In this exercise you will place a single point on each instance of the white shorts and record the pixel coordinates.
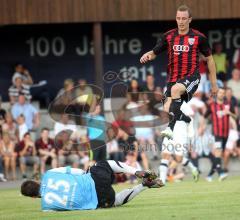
(180, 143)
(232, 139)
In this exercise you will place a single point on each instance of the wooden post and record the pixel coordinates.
(98, 58)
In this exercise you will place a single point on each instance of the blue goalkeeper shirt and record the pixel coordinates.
(65, 189)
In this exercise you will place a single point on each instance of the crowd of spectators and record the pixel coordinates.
(81, 135)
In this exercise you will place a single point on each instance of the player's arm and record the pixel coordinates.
(212, 74)
(207, 52)
(152, 54)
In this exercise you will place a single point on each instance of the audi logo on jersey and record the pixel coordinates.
(180, 48)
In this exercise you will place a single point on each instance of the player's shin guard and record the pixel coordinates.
(163, 169)
(128, 194)
(175, 110)
(119, 167)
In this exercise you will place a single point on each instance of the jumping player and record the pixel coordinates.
(183, 45)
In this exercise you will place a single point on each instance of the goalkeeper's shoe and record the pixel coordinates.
(195, 174)
(156, 183)
(151, 175)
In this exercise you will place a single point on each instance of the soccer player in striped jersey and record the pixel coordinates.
(183, 45)
(220, 112)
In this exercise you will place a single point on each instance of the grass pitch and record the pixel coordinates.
(185, 200)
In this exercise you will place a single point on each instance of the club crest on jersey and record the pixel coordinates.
(191, 41)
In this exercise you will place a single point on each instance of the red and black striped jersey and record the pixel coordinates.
(220, 120)
(183, 52)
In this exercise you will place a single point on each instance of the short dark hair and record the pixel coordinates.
(185, 8)
(44, 129)
(30, 188)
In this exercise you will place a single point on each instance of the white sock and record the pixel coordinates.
(188, 163)
(163, 169)
(128, 194)
(120, 167)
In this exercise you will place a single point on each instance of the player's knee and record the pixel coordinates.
(175, 90)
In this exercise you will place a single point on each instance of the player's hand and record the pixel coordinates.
(147, 57)
(214, 91)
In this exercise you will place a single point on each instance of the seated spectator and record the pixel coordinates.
(7, 147)
(221, 62)
(234, 83)
(85, 153)
(2, 178)
(231, 100)
(22, 127)
(134, 90)
(28, 110)
(131, 160)
(10, 127)
(84, 98)
(149, 88)
(113, 150)
(2, 111)
(156, 103)
(145, 132)
(45, 147)
(19, 88)
(67, 150)
(66, 93)
(27, 153)
(64, 124)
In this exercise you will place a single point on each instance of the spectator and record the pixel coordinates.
(132, 161)
(22, 72)
(2, 178)
(67, 150)
(231, 100)
(203, 70)
(2, 111)
(9, 157)
(96, 133)
(149, 88)
(156, 103)
(66, 93)
(64, 124)
(28, 110)
(28, 155)
(22, 127)
(135, 90)
(236, 59)
(221, 62)
(84, 98)
(19, 88)
(144, 124)
(113, 150)
(85, 152)
(234, 84)
(46, 149)
(10, 127)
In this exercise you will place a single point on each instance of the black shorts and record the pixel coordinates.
(103, 177)
(220, 142)
(99, 150)
(190, 82)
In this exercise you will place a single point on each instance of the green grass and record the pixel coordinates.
(186, 200)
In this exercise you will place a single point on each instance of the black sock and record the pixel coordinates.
(175, 110)
(212, 158)
(218, 165)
